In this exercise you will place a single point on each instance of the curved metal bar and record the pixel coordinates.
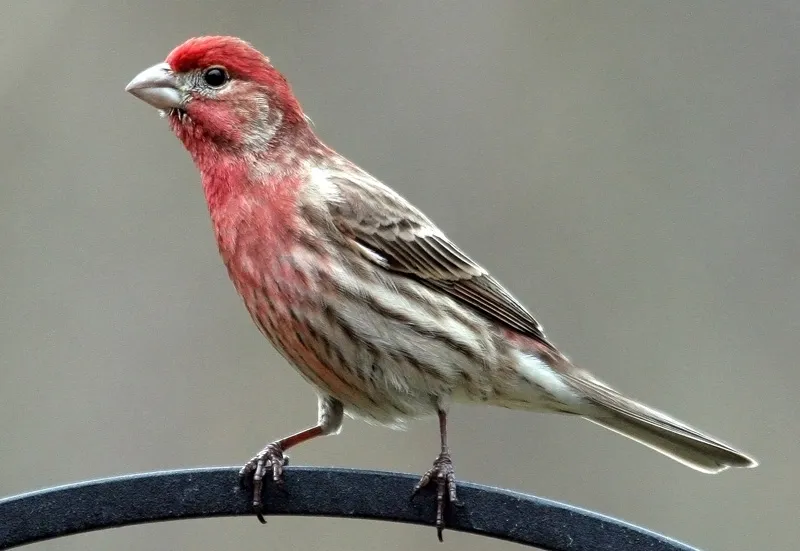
(214, 492)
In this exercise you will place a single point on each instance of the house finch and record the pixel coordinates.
(369, 300)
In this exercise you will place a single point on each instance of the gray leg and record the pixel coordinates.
(330, 416)
(443, 475)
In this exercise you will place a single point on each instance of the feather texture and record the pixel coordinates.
(407, 242)
(356, 287)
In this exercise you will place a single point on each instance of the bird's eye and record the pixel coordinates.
(215, 76)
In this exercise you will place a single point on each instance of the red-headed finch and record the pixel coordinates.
(375, 307)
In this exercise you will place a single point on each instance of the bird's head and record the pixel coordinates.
(219, 92)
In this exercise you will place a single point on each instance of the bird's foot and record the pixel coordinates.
(271, 458)
(443, 475)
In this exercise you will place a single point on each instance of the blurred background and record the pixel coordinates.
(628, 169)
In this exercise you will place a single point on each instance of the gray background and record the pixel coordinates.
(628, 169)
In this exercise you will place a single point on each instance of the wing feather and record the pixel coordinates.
(400, 238)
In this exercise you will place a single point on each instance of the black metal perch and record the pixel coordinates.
(215, 492)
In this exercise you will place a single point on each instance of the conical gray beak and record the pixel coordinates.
(157, 86)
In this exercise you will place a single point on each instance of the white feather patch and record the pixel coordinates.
(319, 178)
(545, 377)
(372, 255)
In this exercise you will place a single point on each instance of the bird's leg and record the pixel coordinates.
(443, 475)
(331, 413)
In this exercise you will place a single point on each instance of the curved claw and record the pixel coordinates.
(252, 474)
(443, 475)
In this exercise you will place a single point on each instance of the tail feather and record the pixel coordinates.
(658, 430)
(691, 448)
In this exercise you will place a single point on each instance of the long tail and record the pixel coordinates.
(658, 430)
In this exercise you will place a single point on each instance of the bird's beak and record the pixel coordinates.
(158, 87)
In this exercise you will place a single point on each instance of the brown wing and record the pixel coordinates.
(398, 237)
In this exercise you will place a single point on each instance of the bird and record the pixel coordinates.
(384, 315)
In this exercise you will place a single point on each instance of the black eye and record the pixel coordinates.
(215, 76)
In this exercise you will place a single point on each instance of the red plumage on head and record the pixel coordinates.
(240, 59)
